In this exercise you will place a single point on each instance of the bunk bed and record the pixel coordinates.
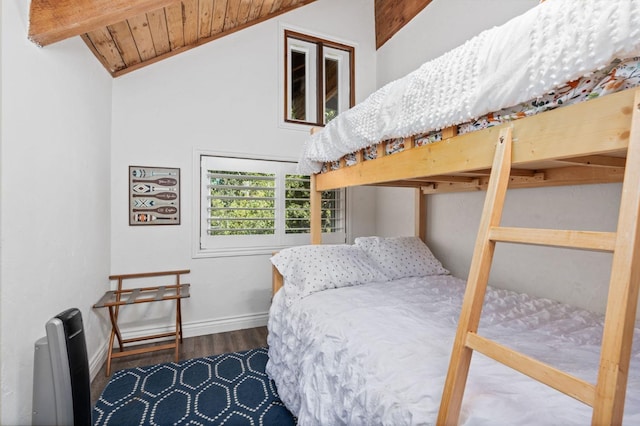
(414, 133)
(377, 352)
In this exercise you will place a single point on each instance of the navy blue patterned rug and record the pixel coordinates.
(228, 389)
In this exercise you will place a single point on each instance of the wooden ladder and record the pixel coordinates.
(608, 394)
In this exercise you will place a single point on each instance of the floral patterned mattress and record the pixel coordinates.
(619, 75)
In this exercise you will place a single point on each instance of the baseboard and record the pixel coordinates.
(200, 328)
(98, 359)
(221, 325)
(190, 329)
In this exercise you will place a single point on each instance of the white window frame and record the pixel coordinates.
(311, 67)
(243, 245)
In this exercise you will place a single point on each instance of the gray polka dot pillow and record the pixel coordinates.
(400, 257)
(312, 268)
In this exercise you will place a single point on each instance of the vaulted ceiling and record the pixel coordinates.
(126, 35)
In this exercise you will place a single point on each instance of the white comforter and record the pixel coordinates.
(527, 57)
(378, 354)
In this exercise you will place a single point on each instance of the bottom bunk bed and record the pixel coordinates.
(359, 337)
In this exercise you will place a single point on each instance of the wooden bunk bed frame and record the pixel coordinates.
(591, 142)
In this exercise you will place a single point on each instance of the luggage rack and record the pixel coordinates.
(114, 299)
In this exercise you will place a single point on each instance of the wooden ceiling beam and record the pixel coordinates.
(392, 15)
(51, 21)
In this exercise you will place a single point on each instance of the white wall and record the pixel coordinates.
(576, 277)
(441, 26)
(388, 222)
(222, 96)
(54, 207)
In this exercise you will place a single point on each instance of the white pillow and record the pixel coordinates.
(400, 257)
(312, 268)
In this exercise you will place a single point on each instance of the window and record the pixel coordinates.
(319, 79)
(250, 205)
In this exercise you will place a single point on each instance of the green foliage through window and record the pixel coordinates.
(298, 205)
(241, 203)
(244, 203)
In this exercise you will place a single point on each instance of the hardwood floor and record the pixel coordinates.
(191, 347)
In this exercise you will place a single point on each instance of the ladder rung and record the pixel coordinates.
(557, 379)
(587, 240)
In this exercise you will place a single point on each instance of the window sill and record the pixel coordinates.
(236, 252)
(200, 253)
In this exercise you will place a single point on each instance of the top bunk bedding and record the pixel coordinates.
(619, 75)
(504, 73)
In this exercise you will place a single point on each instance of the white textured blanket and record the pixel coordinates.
(549, 45)
(377, 354)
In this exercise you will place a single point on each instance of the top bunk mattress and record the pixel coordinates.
(523, 61)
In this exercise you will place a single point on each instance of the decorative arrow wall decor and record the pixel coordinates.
(154, 196)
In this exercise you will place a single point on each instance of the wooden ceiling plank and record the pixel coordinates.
(181, 18)
(392, 15)
(287, 3)
(123, 38)
(97, 54)
(175, 28)
(277, 5)
(267, 5)
(231, 20)
(256, 7)
(142, 35)
(52, 21)
(190, 19)
(219, 16)
(205, 15)
(159, 31)
(243, 11)
(101, 43)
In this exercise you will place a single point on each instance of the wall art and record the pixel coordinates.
(154, 196)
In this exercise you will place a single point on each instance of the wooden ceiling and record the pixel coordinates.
(129, 34)
(126, 35)
(392, 15)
